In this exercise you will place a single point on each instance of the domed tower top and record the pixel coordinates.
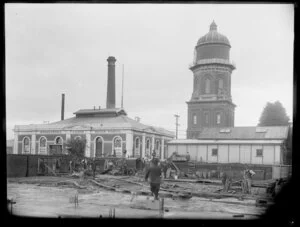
(212, 48)
(213, 26)
(213, 37)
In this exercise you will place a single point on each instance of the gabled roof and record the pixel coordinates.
(271, 132)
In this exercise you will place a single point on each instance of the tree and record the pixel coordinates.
(273, 114)
(76, 148)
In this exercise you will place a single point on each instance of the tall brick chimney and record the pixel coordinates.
(62, 106)
(111, 91)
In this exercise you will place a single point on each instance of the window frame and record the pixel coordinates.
(206, 118)
(137, 142)
(207, 84)
(43, 137)
(213, 150)
(259, 150)
(194, 119)
(218, 116)
(23, 145)
(55, 140)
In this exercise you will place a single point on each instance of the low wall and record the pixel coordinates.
(213, 171)
(281, 171)
(30, 165)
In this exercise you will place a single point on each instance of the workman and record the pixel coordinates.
(124, 153)
(154, 175)
(226, 181)
(248, 179)
(188, 157)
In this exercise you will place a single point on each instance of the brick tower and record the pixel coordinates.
(211, 104)
(111, 84)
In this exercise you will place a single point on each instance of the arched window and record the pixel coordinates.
(157, 148)
(26, 145)
(148, 148)
(218, 118)
(117, 146)
(207, 86)
(43, 145)
(221, 83)
(137, 143)
(58, 140)
(206, 120)
(194, 119)
(98, 147)
(137, 147)
(220, 86)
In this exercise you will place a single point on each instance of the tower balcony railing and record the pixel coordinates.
(212, 61)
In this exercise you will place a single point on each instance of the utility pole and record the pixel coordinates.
(177, 116)
(122, 87)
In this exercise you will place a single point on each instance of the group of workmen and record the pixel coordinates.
(246, 182)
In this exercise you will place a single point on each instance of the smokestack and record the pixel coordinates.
(62, 106)
(111, 91)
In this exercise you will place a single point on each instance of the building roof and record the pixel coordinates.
(252, 133)
(221, 142)
(88, 111)
(213, 36)
(96, 123)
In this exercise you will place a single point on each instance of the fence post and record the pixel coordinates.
(161, 207)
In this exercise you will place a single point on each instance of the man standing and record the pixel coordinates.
(226, 180)
(154, 174)
(248, 179)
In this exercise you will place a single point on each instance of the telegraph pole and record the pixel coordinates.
(177, 116)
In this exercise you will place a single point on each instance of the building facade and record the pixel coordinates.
(106, 131)
(211, 104)
(245, 145)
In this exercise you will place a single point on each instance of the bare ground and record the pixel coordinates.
(50, 197)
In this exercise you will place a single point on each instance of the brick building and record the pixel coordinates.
(211, 104)
(106, 131)
(211, 135)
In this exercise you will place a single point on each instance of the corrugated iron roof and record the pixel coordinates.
(272, 132)
(99, 122)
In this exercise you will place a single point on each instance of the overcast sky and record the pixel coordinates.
(62, 48)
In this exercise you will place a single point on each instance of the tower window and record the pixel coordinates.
(195, 119)
(206, 118)
(218, 118)
(220, 86)
(207, 86)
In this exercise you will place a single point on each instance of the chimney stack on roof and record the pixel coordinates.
(111, 91)
(62, 107)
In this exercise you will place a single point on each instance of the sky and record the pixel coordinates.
(52, 49)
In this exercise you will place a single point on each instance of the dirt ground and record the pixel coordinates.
(46, 197)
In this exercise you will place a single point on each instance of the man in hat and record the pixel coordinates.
(248, 173)
(154, 175)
